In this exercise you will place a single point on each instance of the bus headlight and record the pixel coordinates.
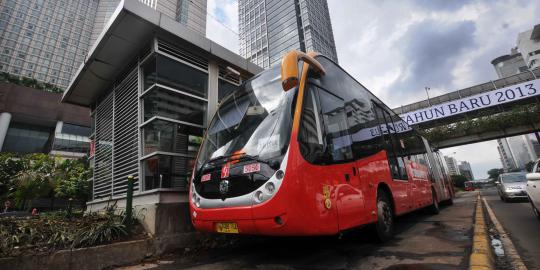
(198, 202)
(270, 187)
(280, 174)
(259, 196)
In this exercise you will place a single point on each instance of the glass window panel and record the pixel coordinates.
(225, 88)
(169, 104)
(158, 136)
(171, 137)
(163, 171)
(75, 129)
(181, 77)
(22, 138)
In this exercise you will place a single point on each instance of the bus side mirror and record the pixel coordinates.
(289, 67)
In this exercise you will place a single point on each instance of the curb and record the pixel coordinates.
(481, 255)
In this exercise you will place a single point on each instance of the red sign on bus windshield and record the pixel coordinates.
(225, 170)
(206, 177)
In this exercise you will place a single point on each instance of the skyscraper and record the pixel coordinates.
(528, 43)
(466, 170)
(452, 165)
(47, 40)
(509, 64)
(191, 13)
(515, 152)
(270, 28)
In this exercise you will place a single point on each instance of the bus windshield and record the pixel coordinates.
(254, 121)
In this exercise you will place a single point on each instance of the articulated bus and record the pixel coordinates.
(304, 149)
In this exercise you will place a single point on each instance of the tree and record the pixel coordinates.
(37, 179)
(494, 173)
(10, 165)
(72, 181)
(459, 180)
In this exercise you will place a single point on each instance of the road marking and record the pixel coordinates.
(481, 255)
(510, 249)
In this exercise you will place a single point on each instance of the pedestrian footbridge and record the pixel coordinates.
(501, 108)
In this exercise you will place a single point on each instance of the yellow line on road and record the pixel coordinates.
(481, 255)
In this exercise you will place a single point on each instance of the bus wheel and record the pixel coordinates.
(385, 218)
(434, 208)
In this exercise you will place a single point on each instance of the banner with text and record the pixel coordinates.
(472, 103)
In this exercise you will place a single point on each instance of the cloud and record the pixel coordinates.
(222, 23)
(442, 4)
(430, 51)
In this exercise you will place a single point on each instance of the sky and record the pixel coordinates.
(396, 48)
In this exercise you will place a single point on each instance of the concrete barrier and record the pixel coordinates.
(92, 258)
(482, 257)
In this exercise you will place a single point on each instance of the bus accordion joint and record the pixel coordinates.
(289, 67)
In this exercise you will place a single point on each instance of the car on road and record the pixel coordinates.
(512, 186)
(533, 188)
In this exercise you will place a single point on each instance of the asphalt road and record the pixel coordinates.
(422, 242)
(520, 223)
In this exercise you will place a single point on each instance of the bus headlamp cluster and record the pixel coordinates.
(195, 198)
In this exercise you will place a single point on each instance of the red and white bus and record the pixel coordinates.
(304, 149)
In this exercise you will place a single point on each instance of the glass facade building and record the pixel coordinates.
(270, 28)
(48, 39)
(44, 39)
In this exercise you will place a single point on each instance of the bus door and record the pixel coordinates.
(338, 159)
(402, 189)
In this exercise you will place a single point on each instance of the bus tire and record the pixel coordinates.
(385, 217)
(434, 208)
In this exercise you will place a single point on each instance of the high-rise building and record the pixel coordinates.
(466, 170)
(45, 40)
(505, 155)
(452, 165)
(48, 40)
(515, 152)
(509, 64)
(528, 43)
(191, 13)
(270, 28)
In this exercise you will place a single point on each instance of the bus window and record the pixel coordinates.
(337, 139)
(387, 129)
(356, 100)
(310, 133)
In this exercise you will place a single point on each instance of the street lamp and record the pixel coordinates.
(427, 94)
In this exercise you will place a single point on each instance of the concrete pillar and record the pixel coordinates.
(213, 77)
(5, 118)
(59, 126)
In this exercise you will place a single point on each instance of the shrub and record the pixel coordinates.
(50, 232)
